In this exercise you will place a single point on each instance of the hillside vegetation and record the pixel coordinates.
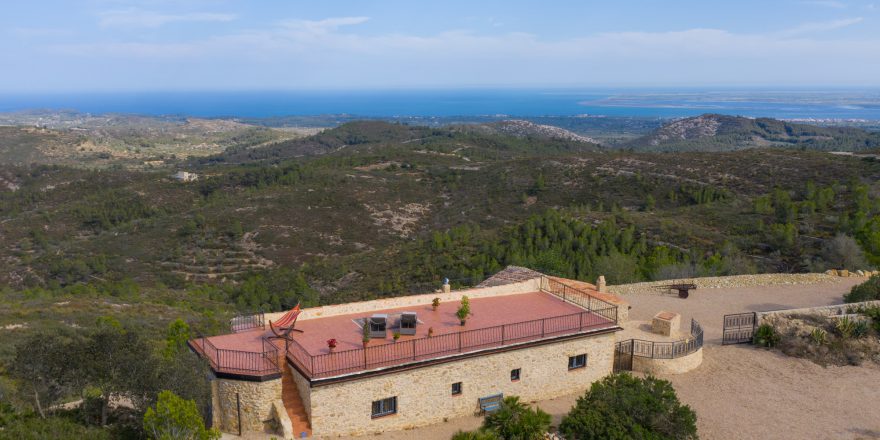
(373, 209)
(712, 132)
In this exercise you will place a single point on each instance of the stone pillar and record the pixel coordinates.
(600, 284)
(446, 287)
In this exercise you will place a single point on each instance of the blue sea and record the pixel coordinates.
(787, 104)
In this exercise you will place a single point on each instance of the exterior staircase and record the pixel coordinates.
(292, 402)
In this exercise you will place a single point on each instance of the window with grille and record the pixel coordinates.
(384, 407)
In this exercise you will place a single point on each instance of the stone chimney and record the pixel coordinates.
(600, 284)
(446, 288)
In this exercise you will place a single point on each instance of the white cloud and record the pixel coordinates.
(822, 26)
(136, 18)
(329, 53)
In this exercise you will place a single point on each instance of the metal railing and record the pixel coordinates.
(671, 349)
(242, 323)
(579, 298)
(449, 344)
(224, 360)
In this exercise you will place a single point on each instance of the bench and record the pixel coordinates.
(490, 403)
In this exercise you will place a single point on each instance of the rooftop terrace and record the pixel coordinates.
(553, 310)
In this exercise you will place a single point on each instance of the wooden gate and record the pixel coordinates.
(623, 356)
(739, 328)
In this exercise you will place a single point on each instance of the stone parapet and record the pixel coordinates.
(677, 365)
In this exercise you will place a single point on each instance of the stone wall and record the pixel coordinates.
(256, 404)
(837, 309)
(424, 394)
(668, 366)
(769, 279)
(302, 387)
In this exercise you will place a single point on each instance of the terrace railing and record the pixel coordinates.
(672, 349)
(579, 298)
(450, 344)
(248, 322)
(249, 363)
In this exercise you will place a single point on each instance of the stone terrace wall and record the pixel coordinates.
(770, 279)
(424, 394)
(837, 309)
(412, 300)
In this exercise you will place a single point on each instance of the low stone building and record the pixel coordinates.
(527, 335)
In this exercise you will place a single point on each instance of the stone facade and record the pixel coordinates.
(256, 400)
(666, 323)
(424, 394)
(668, 366)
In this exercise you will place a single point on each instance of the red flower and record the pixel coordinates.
(331, 343)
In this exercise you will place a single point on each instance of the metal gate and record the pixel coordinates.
(623, 356)
(739, 328)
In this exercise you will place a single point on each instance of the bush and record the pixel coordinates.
(867, 291)
(625, 407)
(766, 336)
(843, 252)
(819, 336)
(56, 427)
(516, 420)
(480, 434)
(176, 418)
(846, 327)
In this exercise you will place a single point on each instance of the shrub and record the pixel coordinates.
(860, 329)
(464, 310)
(516, 420)
(766, 336)
(56, 427)
(625, 407)
(845, 327)
(867, 291)
(873, 313)
(176, 418)
(819, 336)
(480, 434)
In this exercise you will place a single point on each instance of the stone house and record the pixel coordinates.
(528, 335)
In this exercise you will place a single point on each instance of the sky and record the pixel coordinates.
(145, 45)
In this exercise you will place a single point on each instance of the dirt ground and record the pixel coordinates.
(742, 392)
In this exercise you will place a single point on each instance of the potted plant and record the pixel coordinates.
(430, 331)
(366, 334)
(435, 304)
(331, 344)
(396, 336)
(464, 310)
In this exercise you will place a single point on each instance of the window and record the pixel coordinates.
(456, 388)
(514, 374)
(385, 407)
(579, 361)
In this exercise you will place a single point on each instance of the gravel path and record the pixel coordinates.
(741, 392)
